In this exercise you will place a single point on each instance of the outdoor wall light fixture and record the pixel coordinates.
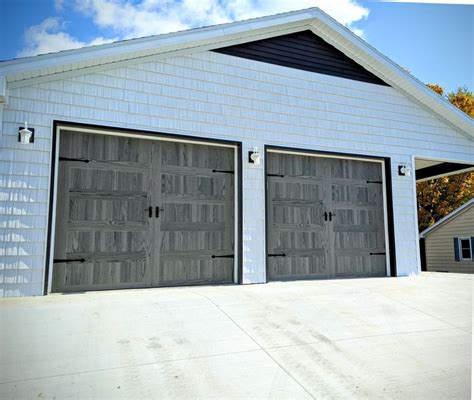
(255, 157)
(25, 135)
(403, 170)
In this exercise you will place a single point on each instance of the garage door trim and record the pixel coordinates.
(387, 195)
(150, 135)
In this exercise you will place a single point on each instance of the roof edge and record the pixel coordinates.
(22, 72)
(447, 218)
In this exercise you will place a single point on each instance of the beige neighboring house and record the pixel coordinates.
(449, 244)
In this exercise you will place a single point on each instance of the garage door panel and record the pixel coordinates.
(106, 236)
(360, 265)
(354, 195)
(112, 207)
(295, 166)
(354, 170)
(330, 206)
(105, 241)
(358, 240)
(197, 241)
(300, 240)
(285, 190)
(196, 187)
(196, 156)
(295, 266)
(195, 270)
(298, 214)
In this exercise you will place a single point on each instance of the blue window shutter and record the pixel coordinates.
(456, 249)
(472, 248)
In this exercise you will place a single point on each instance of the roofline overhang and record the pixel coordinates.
(31, 70)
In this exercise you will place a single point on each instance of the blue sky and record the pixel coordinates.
(434, 41)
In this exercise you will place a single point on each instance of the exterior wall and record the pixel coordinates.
(214, 96)
(440, 246)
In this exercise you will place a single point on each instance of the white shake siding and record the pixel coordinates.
(213, 96)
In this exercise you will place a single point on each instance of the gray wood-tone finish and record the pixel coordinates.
(103, 226)
(101, 213)
(357, 229)
(303, 243)
(298, 237)
(197, 220)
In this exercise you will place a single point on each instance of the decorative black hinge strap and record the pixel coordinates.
(68, 260)
(378, 254)
(84, 160)
(222, 171)
(278, 175)
(379, 182)
(277, 255)
(225, 256)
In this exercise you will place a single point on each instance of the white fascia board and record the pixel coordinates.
(447, 218)
(132, 48)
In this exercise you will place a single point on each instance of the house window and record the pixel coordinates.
(465, 250)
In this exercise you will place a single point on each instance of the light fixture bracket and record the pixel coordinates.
(26, 135)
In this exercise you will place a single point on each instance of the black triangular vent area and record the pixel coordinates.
(306, 51)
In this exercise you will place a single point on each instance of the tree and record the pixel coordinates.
(463, 100)
(438, 197)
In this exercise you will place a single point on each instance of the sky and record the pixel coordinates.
(435, 42)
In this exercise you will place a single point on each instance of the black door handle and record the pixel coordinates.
(331, 215)
(157, 211)
(150, 211)
(325, 215)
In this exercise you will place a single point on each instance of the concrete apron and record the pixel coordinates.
(365, 338)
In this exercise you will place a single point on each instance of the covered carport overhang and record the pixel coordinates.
(426, 169)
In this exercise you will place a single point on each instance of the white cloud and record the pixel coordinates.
(151, 17)
(49, 36)
(125, 20)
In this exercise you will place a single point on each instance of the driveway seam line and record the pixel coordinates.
(128, 366)
(258, 344)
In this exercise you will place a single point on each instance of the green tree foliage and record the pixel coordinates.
(438, 197)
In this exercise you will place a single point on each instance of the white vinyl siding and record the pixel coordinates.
(216, 96)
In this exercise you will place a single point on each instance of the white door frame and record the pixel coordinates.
(151, 136)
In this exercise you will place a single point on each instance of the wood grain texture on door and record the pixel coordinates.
(197, 223)
(298, 239)
(357, 226)
(103, 231)
(325, 217)
(140, 213)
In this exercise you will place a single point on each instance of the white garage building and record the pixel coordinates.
(270, 149)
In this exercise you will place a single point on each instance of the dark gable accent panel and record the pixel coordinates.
(305, 51)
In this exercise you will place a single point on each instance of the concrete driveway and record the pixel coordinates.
(366, 338)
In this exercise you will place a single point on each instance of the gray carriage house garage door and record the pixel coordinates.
(133, 212)
(325, 217)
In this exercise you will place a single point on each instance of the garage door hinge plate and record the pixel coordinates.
(379, 182)
(222, 171)
(84, 160)
(68, 260)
